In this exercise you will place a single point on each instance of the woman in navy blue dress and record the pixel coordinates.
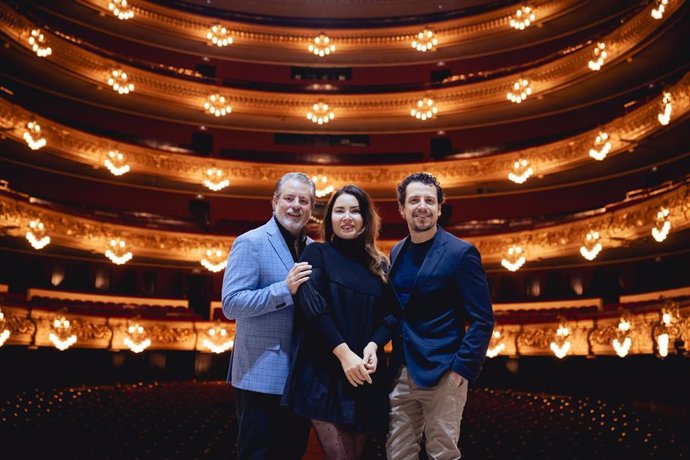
(345, 316)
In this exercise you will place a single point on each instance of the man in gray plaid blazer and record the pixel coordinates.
(261, 276)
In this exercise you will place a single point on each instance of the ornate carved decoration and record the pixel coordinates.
(287, 44)
(529, 339)
(380, 181)
(280, 111)
(616, 226)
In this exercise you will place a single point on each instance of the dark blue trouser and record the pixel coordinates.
(267, 430)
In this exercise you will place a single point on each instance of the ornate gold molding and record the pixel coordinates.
(587, 337)
(279, 44)
(259, 178)
(388, 112)
(617, 227)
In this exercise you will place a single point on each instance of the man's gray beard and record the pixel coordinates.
(290, 225)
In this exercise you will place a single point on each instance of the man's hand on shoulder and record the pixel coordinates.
(298, 274)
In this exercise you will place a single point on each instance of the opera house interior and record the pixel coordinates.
(138, 138)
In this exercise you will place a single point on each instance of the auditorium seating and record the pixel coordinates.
(191, 419)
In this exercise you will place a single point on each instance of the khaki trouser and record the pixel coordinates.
(435, 411)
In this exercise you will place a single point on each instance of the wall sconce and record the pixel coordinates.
(602, 146)
(496, 345)
(662, 226)
(214, 179)
(323, 188)
(658, 12)
(622, 342)
(219, 35)
(4, 329)
(599, 56)
(117, 252)
(32, 136)
(667, 329)
(664, 116)
(217, 105)
(218, 339)
(592, 246)
(514, 258)
(521, 171)
(320, 113)
(39, 44)
(561, 345)
(61, 334)
(322, 46)
(136, 338)
(519, 92)
(116, 164)
(121, 9)
(425, 41)
(214, 261)
(118, 80)
(36, 236)
(523, 17)
(425, 109)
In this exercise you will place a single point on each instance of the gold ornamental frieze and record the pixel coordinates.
(388, 112)
(249, 178)
(601, 338)
(279, 44)
(617, 226)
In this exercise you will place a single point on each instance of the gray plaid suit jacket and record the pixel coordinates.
(257, 297)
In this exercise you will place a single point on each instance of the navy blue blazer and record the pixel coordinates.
(449, 293)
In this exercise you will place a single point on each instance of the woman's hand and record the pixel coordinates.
(353, 365)
(371, 360)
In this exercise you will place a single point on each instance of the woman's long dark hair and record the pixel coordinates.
(371, 225)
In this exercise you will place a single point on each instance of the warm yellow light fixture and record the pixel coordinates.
(121, 9)
(520, 91)
(32, 136)
(425, 109)
(425, 41)
(37, 236)
(599, 56)
(664, 116)
(116, 163)
(117, 252)
(523, 17)
(218, 339)
(219, 35)
(521, 171)
(214, 261)
(118, 80)
(136, 338)
(622, 342)
(61, 334)
(662, 226)
(514, 259)
(496, 345)
(217, 105)
(320, 113)
(323, 188)
(660, 9)
(667, 328)
(38, 43)
(560, 346)
(322, 46)
(592, 246)
(214, 179)
(4, 329)
(602, 146)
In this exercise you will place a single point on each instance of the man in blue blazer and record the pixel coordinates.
(442, 288)
(261, 276)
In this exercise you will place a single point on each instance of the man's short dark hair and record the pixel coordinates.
(424, 178)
